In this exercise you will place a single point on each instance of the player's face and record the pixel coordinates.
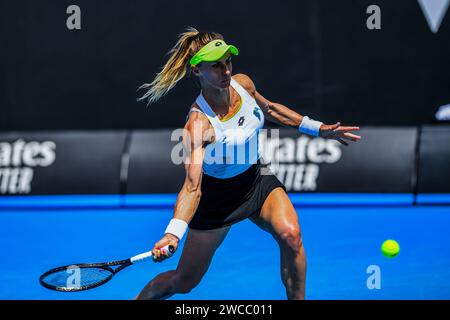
(216, 74)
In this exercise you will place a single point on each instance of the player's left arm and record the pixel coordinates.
(282, 115)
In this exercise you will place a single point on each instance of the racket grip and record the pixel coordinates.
(144, 256)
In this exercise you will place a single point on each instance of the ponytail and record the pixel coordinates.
(189, 42)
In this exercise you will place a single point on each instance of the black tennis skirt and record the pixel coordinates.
(227, 201)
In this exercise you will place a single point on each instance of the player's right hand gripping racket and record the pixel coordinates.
(84, 276)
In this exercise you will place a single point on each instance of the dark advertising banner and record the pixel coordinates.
(434, 160)
(151, 162)
(151, 168)
(72, 162)
(382, 162)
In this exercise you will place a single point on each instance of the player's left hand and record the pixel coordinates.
(339, 133)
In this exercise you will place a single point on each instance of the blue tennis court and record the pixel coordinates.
(341, 243)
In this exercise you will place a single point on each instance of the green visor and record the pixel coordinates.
(213, 51)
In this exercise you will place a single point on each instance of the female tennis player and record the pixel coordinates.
(217, 194)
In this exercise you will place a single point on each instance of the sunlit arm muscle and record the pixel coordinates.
(194, 143)
(280, 114)
(274, 112)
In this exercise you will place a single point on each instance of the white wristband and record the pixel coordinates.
(177, 227)
(310, 126)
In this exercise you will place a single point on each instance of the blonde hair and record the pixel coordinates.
(176, 67)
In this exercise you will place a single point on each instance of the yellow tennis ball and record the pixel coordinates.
(390, 248)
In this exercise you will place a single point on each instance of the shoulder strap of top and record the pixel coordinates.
(241, 90)
(193, 109)
(213, 118)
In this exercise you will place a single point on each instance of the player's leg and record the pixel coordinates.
(279, 218)
(196, 257)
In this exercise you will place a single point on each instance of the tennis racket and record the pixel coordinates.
(84, 276)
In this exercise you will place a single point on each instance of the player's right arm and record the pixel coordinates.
(197, 134)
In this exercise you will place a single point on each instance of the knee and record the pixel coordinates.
(183, 283)
(291, 238)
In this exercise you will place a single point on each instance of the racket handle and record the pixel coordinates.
(144, 256)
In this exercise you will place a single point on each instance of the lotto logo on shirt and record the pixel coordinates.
(296, 160)
(18, 160)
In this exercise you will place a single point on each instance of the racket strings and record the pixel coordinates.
(76, 278)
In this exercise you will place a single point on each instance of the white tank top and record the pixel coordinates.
(236, 145)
